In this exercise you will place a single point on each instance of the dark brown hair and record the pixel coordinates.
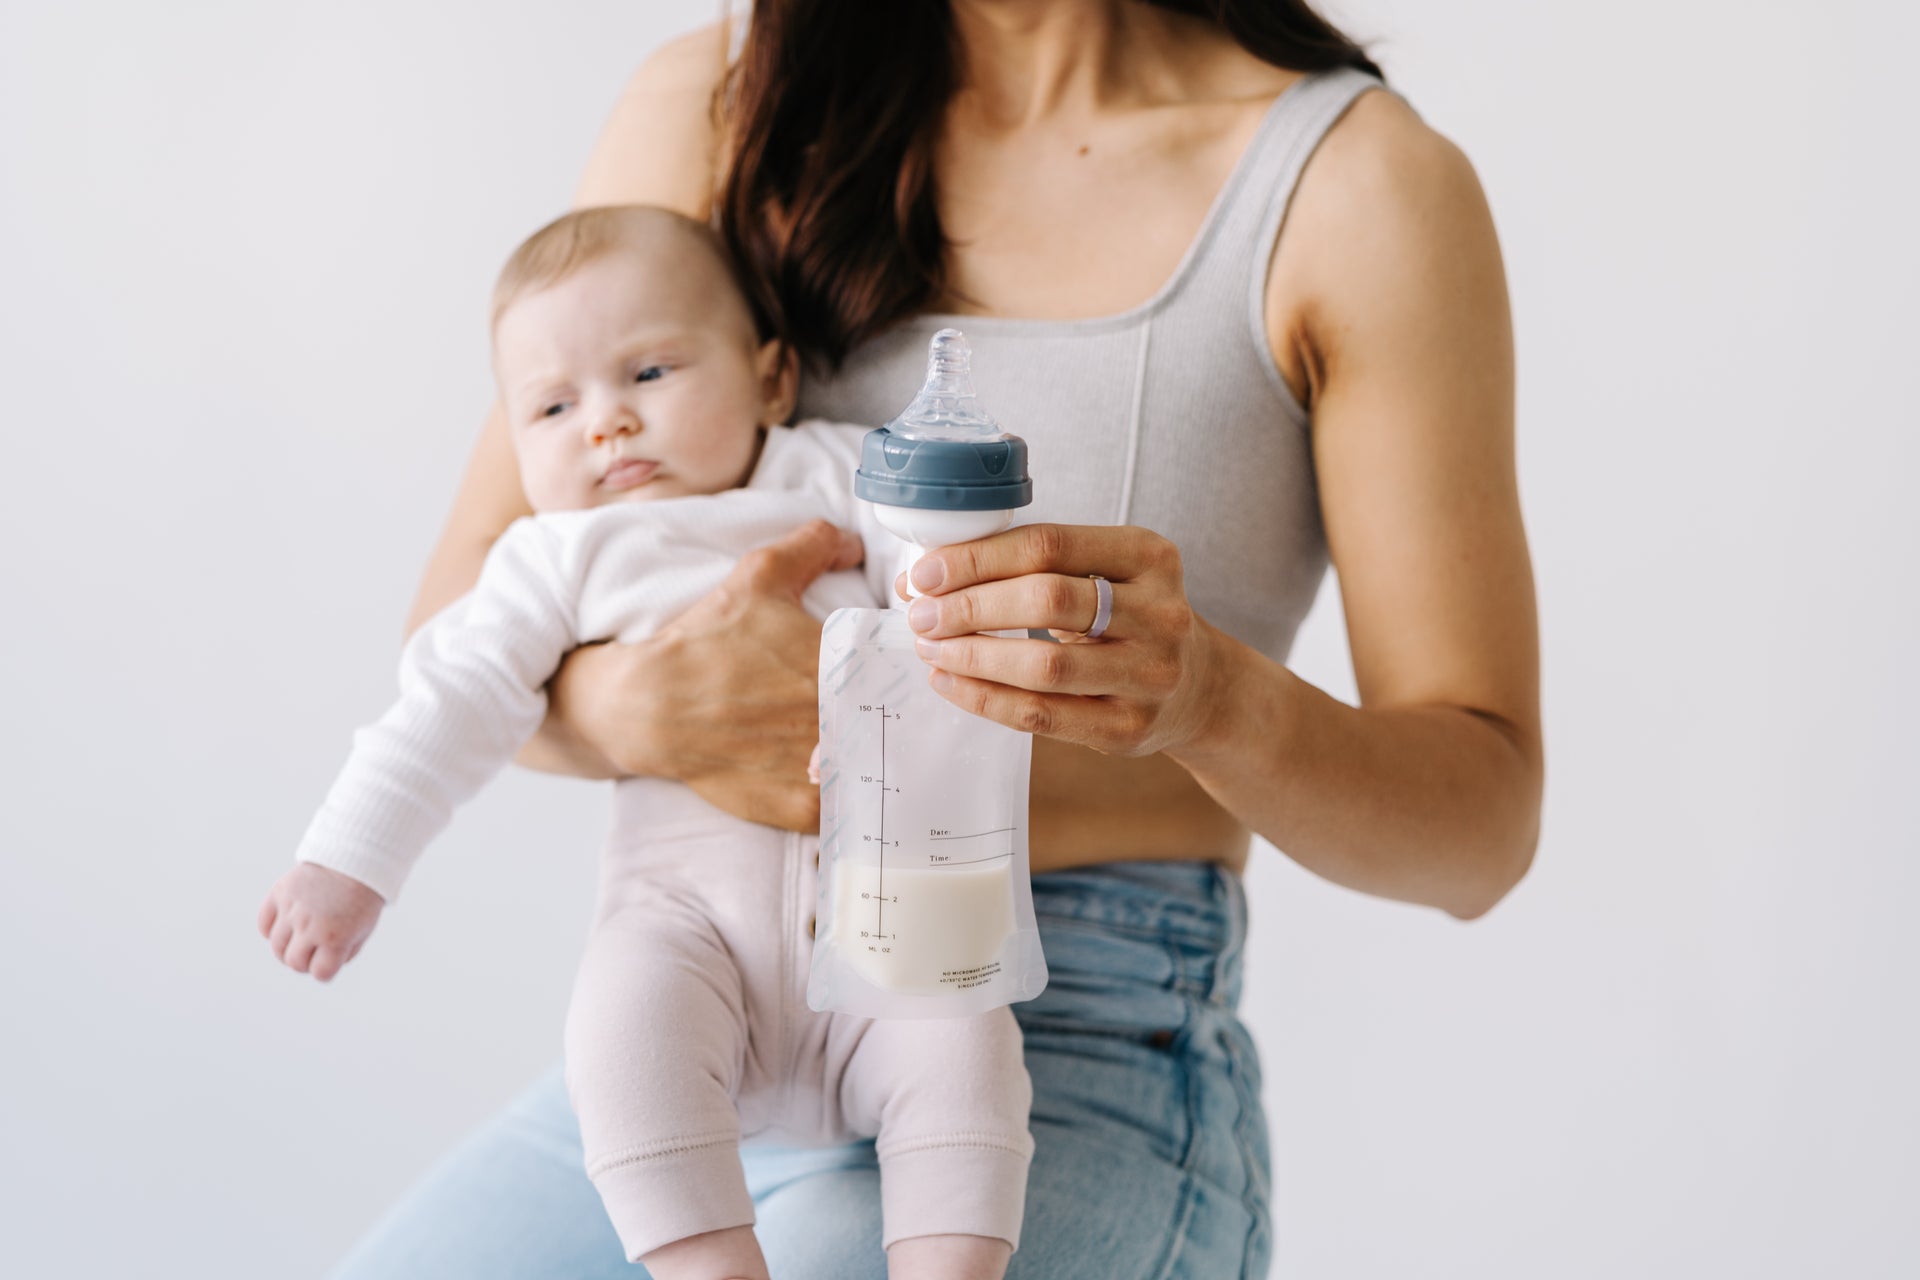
(831, 114)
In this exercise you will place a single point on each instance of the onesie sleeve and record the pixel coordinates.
(472, 691)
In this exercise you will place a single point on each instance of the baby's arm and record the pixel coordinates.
(472, 690)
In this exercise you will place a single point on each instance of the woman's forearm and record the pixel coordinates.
(558, 746)
(1437, 805)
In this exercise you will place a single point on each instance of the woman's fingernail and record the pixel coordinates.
(928, 649)
(922, 614)
(928, 573)
(941, 680)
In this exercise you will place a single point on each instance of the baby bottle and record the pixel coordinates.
(925, 894)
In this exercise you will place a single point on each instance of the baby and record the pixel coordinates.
(644, 410)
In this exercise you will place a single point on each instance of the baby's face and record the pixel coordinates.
(637, 377)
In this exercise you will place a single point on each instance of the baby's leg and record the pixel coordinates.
(948, 1099)
(732, 1254)
(948, 1258)
(655, 1040)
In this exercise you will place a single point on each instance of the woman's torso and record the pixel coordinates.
(1145, 378)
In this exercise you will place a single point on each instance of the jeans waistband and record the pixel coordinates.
(1177, 925)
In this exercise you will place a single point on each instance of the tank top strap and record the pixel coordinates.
(1227, 279)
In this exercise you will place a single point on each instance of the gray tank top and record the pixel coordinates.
(1171, 415)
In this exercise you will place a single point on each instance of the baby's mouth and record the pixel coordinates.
(628, 473)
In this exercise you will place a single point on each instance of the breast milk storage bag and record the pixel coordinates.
(925, 900)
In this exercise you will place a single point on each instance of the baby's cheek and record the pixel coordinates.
(553, 480)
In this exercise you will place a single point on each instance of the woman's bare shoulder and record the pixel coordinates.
(1388, 215)
(660, 143)
(1382, 157)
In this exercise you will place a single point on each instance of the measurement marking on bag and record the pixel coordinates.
(880, 923)
(878, 781)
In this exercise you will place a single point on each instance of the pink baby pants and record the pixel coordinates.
(689, 1030)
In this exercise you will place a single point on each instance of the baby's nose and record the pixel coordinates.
(616, 422)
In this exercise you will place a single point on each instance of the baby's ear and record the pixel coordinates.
(779, 368)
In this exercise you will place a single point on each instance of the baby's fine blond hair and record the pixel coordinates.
(574, 239)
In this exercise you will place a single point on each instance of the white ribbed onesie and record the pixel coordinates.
(689, 1025)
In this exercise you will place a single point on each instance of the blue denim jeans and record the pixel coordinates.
(1150, 1147)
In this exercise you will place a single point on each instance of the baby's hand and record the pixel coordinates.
(317, 919)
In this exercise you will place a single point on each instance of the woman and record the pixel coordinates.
(1096, 189)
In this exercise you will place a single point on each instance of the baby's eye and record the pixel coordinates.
(650, 373)
(554, 410)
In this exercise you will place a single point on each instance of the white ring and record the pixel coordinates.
(1103, 612)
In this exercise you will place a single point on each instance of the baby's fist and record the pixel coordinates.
(317, 919)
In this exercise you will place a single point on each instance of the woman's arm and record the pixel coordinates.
(1434, 784)
(1429, 791)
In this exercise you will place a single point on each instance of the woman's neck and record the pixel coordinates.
(1025, 61)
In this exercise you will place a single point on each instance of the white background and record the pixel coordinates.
(244, 253)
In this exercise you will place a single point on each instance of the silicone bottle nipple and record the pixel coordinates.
(946, 408)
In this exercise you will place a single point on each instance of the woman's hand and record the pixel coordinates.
(1149, 683)
(726, 697)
